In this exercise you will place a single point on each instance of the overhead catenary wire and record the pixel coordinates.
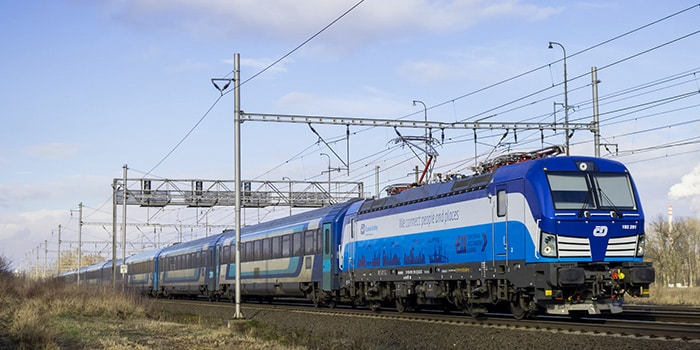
(211, 107)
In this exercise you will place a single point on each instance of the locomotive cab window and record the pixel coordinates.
(615, 191)
(570, 191)
(581, 191)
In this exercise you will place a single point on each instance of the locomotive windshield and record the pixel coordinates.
(580, 191)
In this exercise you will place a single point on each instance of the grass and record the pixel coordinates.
(661, 295)
(46, 315)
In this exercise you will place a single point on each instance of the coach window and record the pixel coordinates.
(266, 249)
(501, 203)
(249, 251)
(227, 254)
(319, 241)
(276, 247)
(258, 249)
(286, 246)
(297, 244)
(309, 242)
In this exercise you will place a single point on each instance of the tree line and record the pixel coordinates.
(674, 249)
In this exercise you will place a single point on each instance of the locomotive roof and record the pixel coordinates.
(427, 192)
(481, 181)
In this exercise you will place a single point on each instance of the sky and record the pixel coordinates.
(87, 87)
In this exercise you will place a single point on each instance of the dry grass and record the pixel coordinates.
(45, 315)
(661, 295)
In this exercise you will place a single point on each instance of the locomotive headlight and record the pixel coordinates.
(640, 246)
(548, 244)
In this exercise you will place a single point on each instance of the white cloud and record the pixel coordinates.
(187, 65)
(481, 65)
(12, 195)
(53, 151)
(261, 63)
(368, 102)
(22, 230)
(688, 189)
(294, 19)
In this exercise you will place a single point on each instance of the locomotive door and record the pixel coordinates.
(330, 269)
(500, 225)
(350, 245)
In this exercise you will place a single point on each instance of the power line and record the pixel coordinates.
(247, 80)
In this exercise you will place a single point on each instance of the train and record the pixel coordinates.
(527, 234)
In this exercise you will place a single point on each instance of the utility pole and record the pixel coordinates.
(376, 181)
(80, 238)
(596, 125)
(58, 258)
(237, 171)
(425, 115)
(46, 255)
(566, 96)
(289, 193)
(114, 262)
(329, 175)
(114, 232)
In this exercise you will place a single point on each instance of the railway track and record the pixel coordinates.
(661, 323)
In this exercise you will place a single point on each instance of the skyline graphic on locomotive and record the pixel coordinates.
(562, 235)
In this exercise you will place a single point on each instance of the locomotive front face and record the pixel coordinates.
(591, 234)
(595, 218)
(593, 215)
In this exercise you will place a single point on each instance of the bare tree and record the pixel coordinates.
(674, 252)
(5, 267)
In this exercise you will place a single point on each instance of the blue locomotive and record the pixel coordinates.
(561, 235)
(557, 235)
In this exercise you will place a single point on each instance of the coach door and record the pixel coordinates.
(211, 269)
(330, 270)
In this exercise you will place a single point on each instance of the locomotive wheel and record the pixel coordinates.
(400, 305)
(375, 306)
(518, 307)
(474, 310)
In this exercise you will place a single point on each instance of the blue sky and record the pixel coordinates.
(90, 86)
